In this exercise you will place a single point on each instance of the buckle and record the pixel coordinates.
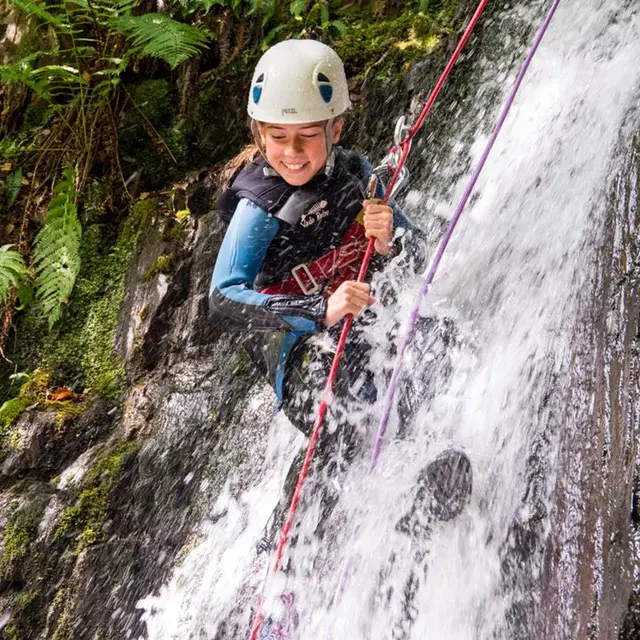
(314, 288)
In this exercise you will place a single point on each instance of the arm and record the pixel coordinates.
(232, 298)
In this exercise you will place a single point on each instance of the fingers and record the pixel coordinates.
(378, 222)
(350, 298)
(354, 297)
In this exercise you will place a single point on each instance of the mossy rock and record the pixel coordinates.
(83, 523)
(81, 346)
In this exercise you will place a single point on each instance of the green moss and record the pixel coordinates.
(151, 97)
(11, 632)
(83, 342)
(25, 600)
(384, 49)
(19, 532)
(94, 196)
(162, 264)
(213, 416)
(31, 392)
(10, 411)
(35, 387)
(174, 233)
(241, 361)
(63, 628)
(67, 412)
(83, 522)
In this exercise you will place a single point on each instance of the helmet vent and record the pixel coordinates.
(257, 93)
(326, 91)
(260, 78)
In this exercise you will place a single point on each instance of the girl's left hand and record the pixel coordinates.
(378, 224)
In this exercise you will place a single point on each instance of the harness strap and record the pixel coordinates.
(327, 273)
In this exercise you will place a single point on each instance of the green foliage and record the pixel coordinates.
(10, 411)
(14, 182)
(20, 71)
(13, 271)
(19, 533)
(83, 522)
(84, 344)
(56, 257)
(31, 392)
(158, 35)
(152, 99)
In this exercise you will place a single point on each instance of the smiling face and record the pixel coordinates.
(297, 151)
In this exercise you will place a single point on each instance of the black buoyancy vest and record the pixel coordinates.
(312, 218)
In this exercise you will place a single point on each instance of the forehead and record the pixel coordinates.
(294, 128)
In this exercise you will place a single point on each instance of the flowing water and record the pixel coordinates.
(525, 282)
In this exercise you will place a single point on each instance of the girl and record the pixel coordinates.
(298, 202)
(299, 221)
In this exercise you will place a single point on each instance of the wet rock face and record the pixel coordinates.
(186, 400)
(110, 498)
(594, 521)
(42, 442)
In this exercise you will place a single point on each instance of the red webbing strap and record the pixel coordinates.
(331, 269)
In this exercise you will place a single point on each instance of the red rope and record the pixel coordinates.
(286, 529)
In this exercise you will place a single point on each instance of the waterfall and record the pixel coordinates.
(525, 280)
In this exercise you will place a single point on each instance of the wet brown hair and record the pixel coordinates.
(247, 155)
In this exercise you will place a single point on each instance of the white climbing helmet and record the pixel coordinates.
(298, 81)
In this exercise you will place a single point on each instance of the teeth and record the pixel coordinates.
(294, 167)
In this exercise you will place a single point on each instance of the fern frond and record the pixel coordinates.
(20, 71)
(13, 271)
(42, 10)
(56, 257)
(159, 36)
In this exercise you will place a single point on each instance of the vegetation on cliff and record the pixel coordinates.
(116, 116)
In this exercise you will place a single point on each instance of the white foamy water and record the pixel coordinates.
(512, 280)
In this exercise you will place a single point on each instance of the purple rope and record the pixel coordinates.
(391, 390)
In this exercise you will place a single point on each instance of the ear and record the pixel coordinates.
(336, 130)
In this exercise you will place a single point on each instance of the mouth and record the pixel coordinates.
(295, 168)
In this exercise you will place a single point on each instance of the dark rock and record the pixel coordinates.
(43, 442)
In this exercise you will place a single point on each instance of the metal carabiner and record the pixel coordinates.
(401, 132)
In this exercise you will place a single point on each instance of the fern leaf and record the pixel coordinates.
(33, 7)
(56, 257)
(159, 36)
(13, 271)
(20, 71)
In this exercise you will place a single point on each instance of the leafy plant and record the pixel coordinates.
(306, 18)
(155, 34)
(56, 257)
(14, 182)
(13, 271)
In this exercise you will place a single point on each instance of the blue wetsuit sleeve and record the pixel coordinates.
(232, 299)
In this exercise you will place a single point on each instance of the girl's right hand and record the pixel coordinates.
(350, 297)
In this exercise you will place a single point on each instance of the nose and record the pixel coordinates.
(294, 147)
